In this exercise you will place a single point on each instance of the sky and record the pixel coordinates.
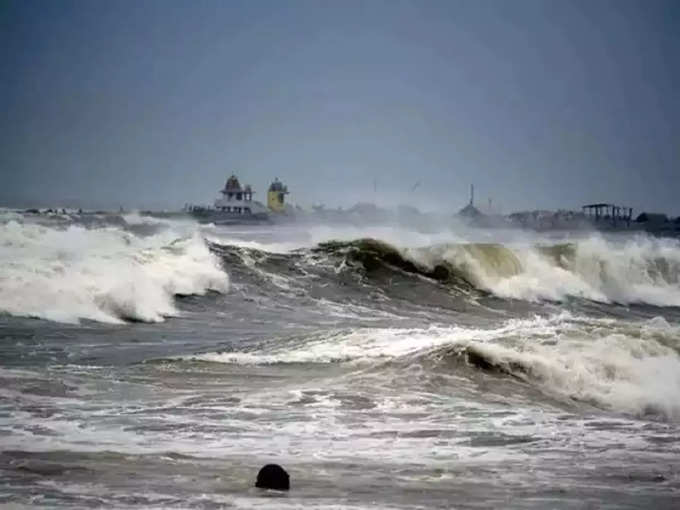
(153, 104)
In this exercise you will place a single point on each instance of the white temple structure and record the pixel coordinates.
(237, 200)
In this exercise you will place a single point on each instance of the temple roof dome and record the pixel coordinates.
(278, 186)
(232, 184)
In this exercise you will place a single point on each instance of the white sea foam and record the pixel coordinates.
(7, 215)
(634, 374)
(625, 366)
(288, 238)
(610, 269)
(625, 270)
(103, 274)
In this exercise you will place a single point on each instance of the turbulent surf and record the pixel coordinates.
(522, 371)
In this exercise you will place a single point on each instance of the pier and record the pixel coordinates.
(608, 212)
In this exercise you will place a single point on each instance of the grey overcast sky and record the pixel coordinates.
(541, 104)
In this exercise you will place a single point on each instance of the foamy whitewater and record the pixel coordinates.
(156, 363)
(105, 274)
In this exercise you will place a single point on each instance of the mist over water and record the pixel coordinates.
(368, 338)
(107, 274)
(382, 365)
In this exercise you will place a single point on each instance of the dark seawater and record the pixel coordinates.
(150, 363)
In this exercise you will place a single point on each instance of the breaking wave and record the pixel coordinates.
(613, 365)
(633, 270)
(129, 267)
(104, 274)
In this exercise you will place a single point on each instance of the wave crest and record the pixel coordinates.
(631, 270)
(606, 363)
(103, 274)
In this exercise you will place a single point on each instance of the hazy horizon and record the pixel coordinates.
(542, 105)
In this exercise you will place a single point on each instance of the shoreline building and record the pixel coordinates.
(235, 205)
(612, 213)
(276, 196)
(235, 199)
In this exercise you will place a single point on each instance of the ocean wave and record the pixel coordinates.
(103, 274)
(604, 366)
(633, 368)
(632, 270)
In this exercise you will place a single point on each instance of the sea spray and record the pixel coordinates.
(623, 366)
(103, 274)
(604, 268)
(641, 269)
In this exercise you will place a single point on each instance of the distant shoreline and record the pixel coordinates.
(409, 217)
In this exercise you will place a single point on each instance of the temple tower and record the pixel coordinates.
(276, 196)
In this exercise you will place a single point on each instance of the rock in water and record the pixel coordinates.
(273, 476)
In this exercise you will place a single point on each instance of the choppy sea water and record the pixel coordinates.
(153, 363)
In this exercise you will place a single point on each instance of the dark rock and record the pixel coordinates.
(273, 476)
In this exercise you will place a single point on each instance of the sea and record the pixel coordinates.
(158, 363)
